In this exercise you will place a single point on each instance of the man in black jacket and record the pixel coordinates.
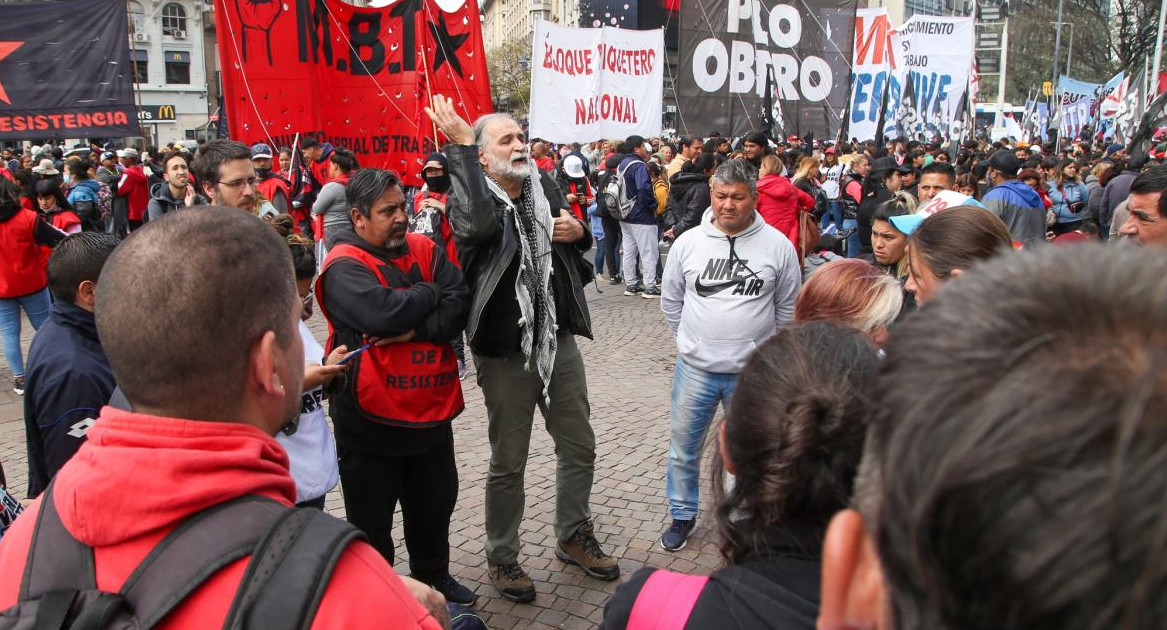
(398, 298)
(69, 378)
(521, 252)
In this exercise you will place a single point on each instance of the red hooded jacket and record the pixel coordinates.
(107, 502)
(779, 203)
(134, 185)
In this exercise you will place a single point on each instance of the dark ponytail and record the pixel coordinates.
(794, 435)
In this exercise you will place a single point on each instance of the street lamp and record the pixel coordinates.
(1070, 49)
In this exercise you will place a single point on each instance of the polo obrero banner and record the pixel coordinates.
(57, 84)
(358, 77)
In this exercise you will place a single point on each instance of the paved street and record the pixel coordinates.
(630, 367)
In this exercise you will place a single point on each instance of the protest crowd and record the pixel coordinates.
(915, 374)
(806, 284)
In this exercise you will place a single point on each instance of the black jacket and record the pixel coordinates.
(688, 201)
(867, 211)
(358, 305)
(69, 381)
(777, 589)
(488, 248)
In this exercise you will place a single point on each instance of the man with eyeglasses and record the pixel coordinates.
(226, 174)
(1147, 224)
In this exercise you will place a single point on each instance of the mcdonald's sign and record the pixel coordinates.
(154, 114)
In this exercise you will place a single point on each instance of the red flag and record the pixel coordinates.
(353, 76)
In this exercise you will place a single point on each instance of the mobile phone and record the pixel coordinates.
(355, 354)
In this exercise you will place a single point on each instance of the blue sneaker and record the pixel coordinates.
(677, 535)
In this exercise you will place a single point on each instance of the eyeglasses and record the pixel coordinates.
(240, 183)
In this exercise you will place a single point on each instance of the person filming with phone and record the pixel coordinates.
(399, 294)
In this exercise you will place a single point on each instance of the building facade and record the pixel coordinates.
(900, 10)
(168, 50)
(508, 21)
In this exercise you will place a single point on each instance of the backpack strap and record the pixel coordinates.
(56, 560)
(666, 600)
(290, 571)
(195, 550)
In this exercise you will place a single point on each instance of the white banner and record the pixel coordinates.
(936, 54)
(1075, 105)
(592, 83)
(871, 67)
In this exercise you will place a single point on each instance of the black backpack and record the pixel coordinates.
(293, 553)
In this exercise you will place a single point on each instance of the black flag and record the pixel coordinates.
(65, 70)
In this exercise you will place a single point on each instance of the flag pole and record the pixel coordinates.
(425, 69)
(1158, 48)
(292, 162)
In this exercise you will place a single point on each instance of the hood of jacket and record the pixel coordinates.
(775, 186)
(682, 182)
(326, 150)
(1018, 192)
(90, 184)
(8, 211)
(711, 230)
(104, 498)
(161, 192)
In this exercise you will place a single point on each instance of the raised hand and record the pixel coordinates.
(448, 121)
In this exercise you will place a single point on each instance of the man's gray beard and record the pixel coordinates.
(506, 169)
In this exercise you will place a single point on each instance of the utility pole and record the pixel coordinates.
(1158, 50)
(1058, 40)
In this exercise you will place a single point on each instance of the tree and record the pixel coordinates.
(510, 76)
(1109, 35)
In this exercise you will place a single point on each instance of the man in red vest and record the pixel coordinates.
(397, 297)
(271, 185)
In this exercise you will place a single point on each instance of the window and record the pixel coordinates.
(173, 19)
(140, 62)
(178, 67)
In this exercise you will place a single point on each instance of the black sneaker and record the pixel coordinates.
(615, 280)
(18, 386)
(632, 291)
(651, 293)
(677, 535)
(453, 591)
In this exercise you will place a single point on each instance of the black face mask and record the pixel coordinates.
(439, 184)
(263, 173)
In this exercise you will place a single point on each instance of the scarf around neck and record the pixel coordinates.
(533, 222)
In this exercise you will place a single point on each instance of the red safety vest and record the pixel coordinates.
(413, 384)
(22, 270)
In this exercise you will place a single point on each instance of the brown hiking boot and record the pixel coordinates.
(583, 550)
(512, 581)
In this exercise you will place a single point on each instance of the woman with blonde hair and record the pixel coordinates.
(853, 292)
(806, 177)
(779, 202)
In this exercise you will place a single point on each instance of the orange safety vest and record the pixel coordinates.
(414, 383)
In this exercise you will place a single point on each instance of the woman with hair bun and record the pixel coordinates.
(793, 439)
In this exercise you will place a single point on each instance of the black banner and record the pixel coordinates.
(65, 70)
(734, 51)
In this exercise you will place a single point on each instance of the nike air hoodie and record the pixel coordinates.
(724, 295)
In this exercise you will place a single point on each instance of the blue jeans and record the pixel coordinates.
(600, 243)
(696, 394)
(37, 306)
(834, 214)
(854, 248)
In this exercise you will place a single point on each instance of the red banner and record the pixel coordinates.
(353, 76)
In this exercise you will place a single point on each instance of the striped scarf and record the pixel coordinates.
(533, 222)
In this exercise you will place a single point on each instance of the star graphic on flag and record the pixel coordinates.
(7, 48)
(446, 48)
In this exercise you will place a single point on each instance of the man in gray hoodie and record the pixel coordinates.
(728, 285)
